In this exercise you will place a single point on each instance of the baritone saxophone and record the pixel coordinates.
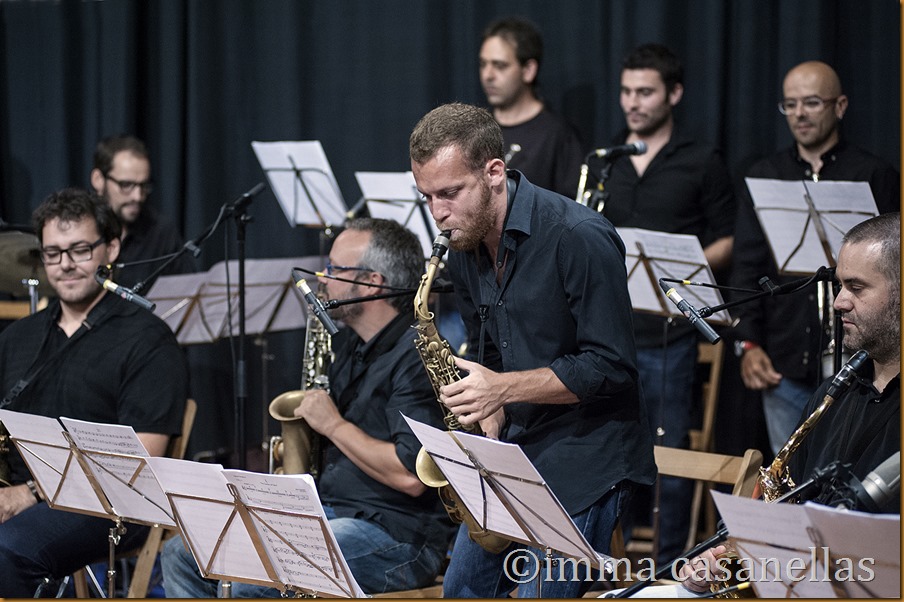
(439, 362)
(297, 449)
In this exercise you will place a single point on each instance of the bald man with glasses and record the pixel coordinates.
(780, 340)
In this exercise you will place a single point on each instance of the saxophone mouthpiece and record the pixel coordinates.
(441, 243)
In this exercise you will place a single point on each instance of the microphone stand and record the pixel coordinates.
(819, 476)
(598, 197)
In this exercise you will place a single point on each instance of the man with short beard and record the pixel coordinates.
(863, 426)
(781, 339)
(542, 288)
(122, 177)
(681, 186)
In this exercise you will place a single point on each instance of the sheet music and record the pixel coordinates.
(47, 454)
(319, 567)
(309, 196)
(522, 487)
(676, 256)
(190, 487)
(394, 196)
(793, 235)
(121, 463)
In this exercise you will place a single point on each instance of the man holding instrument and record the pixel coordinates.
(542, 288)
(391, 529)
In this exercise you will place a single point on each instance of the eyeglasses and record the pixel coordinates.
(127, 186)
(810, 104)
(77, 253)
(332, 269)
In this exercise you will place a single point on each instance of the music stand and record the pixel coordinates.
(261, 529)
(505, 494)
(790, 548)
(195, 306)
(394, 196)
(651, 255)
(90, 468)
(303, 182)
(804, 221)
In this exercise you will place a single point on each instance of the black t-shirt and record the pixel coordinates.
(150, 237)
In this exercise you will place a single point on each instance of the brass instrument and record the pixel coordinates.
(439, 362)
(298, 448)
(776, 480)
(583, 194)
(5, 472)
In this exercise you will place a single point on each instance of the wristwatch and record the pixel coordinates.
(740, 347)
(34, 489)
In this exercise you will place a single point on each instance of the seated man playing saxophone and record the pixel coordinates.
(393, 532)
(863, 426)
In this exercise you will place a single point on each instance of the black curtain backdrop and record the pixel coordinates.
(199, 80)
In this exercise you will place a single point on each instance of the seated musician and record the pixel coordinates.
(392, 530)
(863, 426)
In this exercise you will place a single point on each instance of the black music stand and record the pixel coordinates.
(394, 196)
(255, 528)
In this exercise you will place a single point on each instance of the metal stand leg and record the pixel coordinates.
(116, 533)
(225, 589)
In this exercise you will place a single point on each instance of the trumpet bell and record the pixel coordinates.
(427, 470)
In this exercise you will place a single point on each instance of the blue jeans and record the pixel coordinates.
(41, 542)
(668, 381)
(476, 573)
(783, 406)
(378, 562)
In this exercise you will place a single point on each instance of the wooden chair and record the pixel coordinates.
(146, 555)
(738, 471)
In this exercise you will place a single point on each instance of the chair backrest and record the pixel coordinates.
(738, 471)
(711, 356)
(179, 443)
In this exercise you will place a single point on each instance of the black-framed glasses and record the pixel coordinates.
(77, 253)
(331, 269)
(127, 186)
(810, 104)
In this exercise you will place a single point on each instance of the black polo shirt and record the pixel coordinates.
(373, 384)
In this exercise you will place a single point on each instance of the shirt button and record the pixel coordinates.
(505, 344)
(499, 303)
(808, 329)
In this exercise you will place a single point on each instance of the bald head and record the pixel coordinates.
(814, 106)
(816, 74)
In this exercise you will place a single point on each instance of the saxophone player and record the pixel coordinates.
(547, 276)
(393, 532)
(863, 426)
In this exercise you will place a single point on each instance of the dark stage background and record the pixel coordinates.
(200, 80)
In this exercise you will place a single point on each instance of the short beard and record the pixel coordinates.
(346, 313)
(480, 222)
(882, 338)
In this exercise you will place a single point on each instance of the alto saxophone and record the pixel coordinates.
(298, 448)
(776, 480)
(439, 362)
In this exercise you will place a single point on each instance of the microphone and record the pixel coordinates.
(881, 485)
(691, 313)
(121, 291)
(842, 380)
(317, 306)
(635, 148)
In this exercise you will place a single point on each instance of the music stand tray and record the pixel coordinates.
(303, 182)
(804, 221)
(504, 492)
(651, 255)
(195, 306)
(255, 528)
(394, 196)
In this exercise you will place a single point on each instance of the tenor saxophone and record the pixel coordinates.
(439, 362)
(298, 448)
(775, 481)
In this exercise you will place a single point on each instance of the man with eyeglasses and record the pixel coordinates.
(91, 356)
(781, 340)
(391, 529)
(122, 177)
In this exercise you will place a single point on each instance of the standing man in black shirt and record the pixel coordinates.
(542, 287)
(539, 143)
(392, 530)
(781, 339)
(681, 186)
(122, 177)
